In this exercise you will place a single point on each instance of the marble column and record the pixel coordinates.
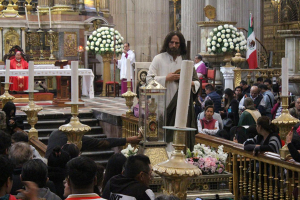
(1, 45)
(23, 39)
(228, 75)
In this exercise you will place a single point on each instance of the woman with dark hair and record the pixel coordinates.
(267, 138)
(208, 125)
(231, 107)
(114, 167)
(13, 123)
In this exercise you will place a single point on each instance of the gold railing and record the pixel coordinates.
(253, 74)
(129, 126)
(264, 176)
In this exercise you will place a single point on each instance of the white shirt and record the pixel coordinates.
(161, 66)
(122, 64)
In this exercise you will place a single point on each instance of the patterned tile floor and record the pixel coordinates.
(115, 106)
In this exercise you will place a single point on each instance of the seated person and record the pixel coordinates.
(231, 108)
(250, 115)
(200, 66)
(37, 172)
(216, 116)
(208, 125)
(13, 123)
(133, 183)
(267, 138)
(259, 102)
(7, 168)
(19, 83)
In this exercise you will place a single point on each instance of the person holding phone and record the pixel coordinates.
(293, 150)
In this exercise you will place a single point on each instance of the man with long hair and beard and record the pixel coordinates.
(163, 67)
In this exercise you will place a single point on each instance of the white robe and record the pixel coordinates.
(122, 64)
(161, 66)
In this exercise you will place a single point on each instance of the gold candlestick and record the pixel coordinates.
(6, 97)
(176, 172)
(10, 11)
(285, 122)
(51, 45)
(129, 95)
(40, 32)
(75, 130)
(31, 111)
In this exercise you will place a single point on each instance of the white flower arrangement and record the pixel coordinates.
(226, 39)
(101, 41)
(129, 151)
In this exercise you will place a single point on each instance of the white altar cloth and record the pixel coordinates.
(87, 77)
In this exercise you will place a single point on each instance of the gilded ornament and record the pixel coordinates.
(11, 38)
(210, 12)
(54, 40)
(70, 44)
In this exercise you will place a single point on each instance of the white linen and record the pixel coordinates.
(87, 77)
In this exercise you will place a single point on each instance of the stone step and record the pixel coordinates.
(58, 122)
(46, 138)
(47, 131)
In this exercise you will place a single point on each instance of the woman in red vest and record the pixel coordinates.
(208, 125)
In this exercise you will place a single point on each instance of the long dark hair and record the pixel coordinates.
(229, 93)
(266, 124)
(168, 38)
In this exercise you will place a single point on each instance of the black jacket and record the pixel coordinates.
(119, 185)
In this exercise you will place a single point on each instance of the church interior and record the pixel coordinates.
(87, 69)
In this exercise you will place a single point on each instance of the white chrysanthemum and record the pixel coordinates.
(215, 38)
(95, 39)
(94, 32)
(241, 48)
(223, 31)
(245, 47)
(219, 34)
(112, 49)
(122, 46)
(208, 44)
(230, 43)
(226, 26)
(220, 27)
(112, 34)
(219, 40)
(235, 29)
(225, 40)
(233, 36)
(97, 43)
(98, 34)
(106, 45)
(231, 47)
(213, 48)
(111, 29)
(106, 32)
(116, 32)
(108, 36)
(99, 39)
(92, 43)
(237, 48)
(238, 39)
(234, 40)
(211, 33)
(102, 49)
(98, 30)
(106, 49)
(87, 48)
(224, 49)
(228, 35)
(103, 36)
(111, 45)
(88, 43)
(209, 49)
(92, 47)
(102, 28)
(96, 49)
(241, 33)
(218, 45)
(222, 36)
(213, 43)
(122, 38)
(104, 41)
(226, 44)
(208, 40)
(108, 40)
(90, 37)
(117, 42)
(229, 40)
(231, 26)
(228, 30)
(237, 45)
(237, 34)
(215, 29)
(117, 37)
(101, 45)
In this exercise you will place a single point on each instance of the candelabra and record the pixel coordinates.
(10, 11)
(129, 95)
(40, 32)
(75, 130)
(6, 97)
(31, 111)
(30, 43)
(80, 51)
(51, 44)
(176, 172)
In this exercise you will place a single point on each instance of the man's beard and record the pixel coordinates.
(173, 51)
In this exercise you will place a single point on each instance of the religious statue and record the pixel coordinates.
(19, 83)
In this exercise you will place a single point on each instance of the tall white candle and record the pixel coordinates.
(7, 69)
(128, 70)
(50, 16)
(184, 91)
(38, 14)
(31, 76)
(284, 77)
(26, 17)
(74, 81)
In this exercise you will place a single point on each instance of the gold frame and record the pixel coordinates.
(13, 37)
(70, 44)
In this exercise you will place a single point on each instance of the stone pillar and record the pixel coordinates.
(1, 45)
(23, 39)
(228, 75)
(43, 6)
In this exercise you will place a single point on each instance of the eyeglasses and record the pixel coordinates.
(176, 43)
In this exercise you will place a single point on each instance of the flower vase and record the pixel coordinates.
(107, 57)
(227, 59)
